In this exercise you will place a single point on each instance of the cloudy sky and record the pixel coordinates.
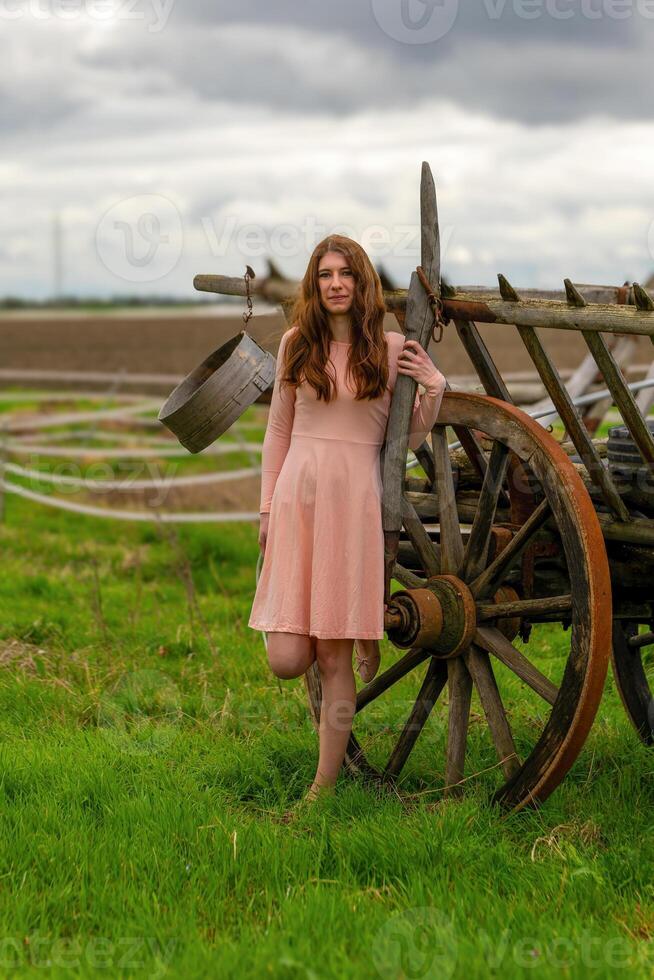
(169, 137)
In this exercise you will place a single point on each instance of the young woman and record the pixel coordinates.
(321, 585)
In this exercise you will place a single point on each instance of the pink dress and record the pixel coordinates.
(323, 569)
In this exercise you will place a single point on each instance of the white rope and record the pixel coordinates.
(127, 515)
(40, 476)
(38, 395)
(155, 423)
(19, 448)
(148, 441)
(104, 377)
(55, 419)
(109, 436)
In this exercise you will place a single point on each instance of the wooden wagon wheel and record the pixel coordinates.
(633, 667)
(464, 602)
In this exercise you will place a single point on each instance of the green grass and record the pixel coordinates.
(148, 754)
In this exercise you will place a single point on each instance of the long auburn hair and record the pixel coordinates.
(307, 352)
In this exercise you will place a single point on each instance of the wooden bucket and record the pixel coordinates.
(216, 393)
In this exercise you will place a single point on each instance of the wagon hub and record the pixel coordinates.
(441, 617)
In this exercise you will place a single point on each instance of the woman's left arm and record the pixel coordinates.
(416, 362)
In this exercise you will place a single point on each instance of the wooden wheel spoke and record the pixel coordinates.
(472, 449)
(460, 690)
(451, 540)
(356, 760)
(426, 460)
(496, 643)
(639, 641)
(476, 553)
(631, 677)
(389, 677)
(481, 671)
(407, 578)
(491, 578)
(530, 609)
(426, 549)
(432, 685)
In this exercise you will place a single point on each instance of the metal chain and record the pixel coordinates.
(249, 274)
(436, 304)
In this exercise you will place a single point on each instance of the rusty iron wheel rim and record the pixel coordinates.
(574, 708)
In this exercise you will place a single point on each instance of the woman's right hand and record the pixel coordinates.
(264, 520)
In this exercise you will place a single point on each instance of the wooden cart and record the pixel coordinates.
(509, 533)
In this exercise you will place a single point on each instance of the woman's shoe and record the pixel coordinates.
(368, 659)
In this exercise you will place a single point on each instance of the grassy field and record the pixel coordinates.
(148, 754)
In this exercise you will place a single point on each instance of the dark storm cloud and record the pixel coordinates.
(520, 60)
(331, 61)
(596, 22)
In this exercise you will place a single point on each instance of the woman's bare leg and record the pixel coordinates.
(290, 654)
(334, 659)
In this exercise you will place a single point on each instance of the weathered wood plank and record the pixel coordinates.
(622, 396)
(482, 361)
(274, 289)
(578, 384)
(571, 419)
(419, 322)
(623, 350)
(638, 531)
(551, 314)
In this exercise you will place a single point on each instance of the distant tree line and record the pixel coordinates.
(95, 302)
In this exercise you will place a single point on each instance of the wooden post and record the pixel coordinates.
(419, 322)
